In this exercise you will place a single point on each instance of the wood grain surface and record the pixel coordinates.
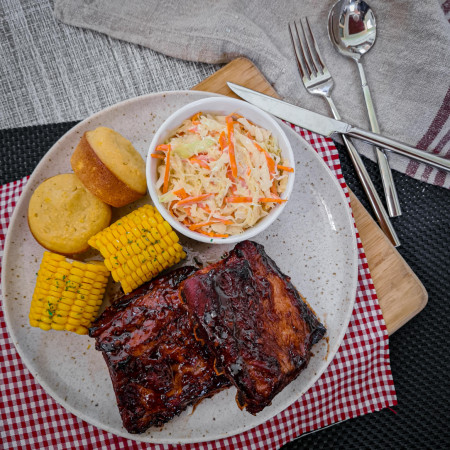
(400, 292)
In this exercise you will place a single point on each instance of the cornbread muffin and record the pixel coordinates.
(110, 167)
(63, 214)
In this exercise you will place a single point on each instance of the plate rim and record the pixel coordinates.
(140, 438)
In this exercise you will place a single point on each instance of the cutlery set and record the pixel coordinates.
(352, 30)
(318, 81)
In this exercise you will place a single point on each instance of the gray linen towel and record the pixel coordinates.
(408, 68)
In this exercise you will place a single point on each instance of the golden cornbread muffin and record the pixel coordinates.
(63, 214)
(110, 167)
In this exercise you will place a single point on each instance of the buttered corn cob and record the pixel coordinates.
(67, 295)
(138, 247)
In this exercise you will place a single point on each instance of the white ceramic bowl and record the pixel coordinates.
(219, 106)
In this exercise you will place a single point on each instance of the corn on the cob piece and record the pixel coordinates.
(138, 247)
(67, 295)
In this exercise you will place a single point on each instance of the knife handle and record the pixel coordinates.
(400, 148)
(367, 184)
(371, 192)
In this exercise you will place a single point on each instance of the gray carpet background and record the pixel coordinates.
(51, 72)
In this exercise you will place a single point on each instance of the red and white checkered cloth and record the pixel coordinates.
(358, 380)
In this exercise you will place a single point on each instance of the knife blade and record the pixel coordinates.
(327, 126)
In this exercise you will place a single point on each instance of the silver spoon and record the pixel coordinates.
(352, 30)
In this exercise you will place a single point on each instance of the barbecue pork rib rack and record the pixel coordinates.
(157, 366)
(254, 320)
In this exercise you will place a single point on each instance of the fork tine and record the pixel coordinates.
(302, 64)
(317, 56)
(307, 46)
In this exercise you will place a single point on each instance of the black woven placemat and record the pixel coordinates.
(419, 356)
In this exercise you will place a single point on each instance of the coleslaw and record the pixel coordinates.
(220, 175)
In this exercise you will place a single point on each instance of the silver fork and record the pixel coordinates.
(318, 81)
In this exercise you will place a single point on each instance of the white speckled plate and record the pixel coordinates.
(313, 241)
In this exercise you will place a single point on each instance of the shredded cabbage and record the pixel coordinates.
(224, 175)
(187, 149)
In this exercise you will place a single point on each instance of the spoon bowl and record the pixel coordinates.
(352, 28)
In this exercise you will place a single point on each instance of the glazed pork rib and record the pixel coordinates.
(157, 366)
(254, 320)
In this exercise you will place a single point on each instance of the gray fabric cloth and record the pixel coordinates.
(54, 72)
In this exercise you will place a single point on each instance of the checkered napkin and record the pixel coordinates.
(358, 380)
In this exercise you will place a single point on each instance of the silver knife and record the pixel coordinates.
(327, 126)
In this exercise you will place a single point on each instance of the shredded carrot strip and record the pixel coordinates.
(196, 118)
(230, 175)
(285, 168)
(222, 140)
(157, 156)
(224, 221)
(242, 182)
(167, 171)
(172, 203)
(270, 164)
(249, 200)
(269, 159)
(201, 224)
(259, 147)
(205, 207)
(211, 234)
(181, 193)
(274, 189)
(162, 148)
(234, 199)
(199, 162)
(230, 131)
(271, 200)
(186, 210)
(190, 200)
(214, 220)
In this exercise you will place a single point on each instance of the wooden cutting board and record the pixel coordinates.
(400, 292)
